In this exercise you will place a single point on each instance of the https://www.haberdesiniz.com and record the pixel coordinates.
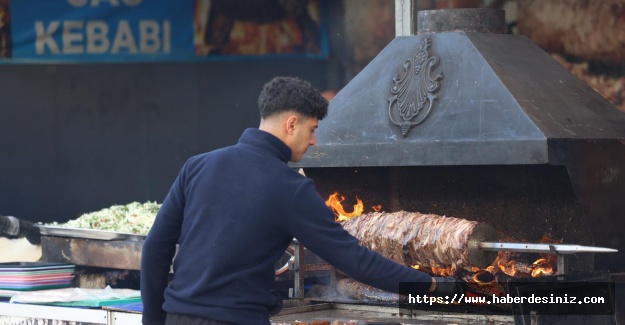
(506, 299)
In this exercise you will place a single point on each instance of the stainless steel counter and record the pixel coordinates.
(338, 313)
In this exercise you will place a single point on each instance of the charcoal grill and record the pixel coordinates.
(492, 130)
(464, 121)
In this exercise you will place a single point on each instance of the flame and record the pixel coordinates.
(334, 203)
(507, 267)
(475, 277)
(377, 208)
(541, 267)
(483, 277)
(442, 271)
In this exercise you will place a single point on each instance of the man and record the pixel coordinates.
(234, 211)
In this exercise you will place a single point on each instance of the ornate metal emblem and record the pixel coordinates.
(413, 90)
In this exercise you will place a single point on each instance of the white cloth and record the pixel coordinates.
(74, 294)
(18, 250)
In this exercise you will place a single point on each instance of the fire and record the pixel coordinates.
(483, 277)
(442, 271)
(334, 203)
(505, 266)
(541, 267)
(513, 268)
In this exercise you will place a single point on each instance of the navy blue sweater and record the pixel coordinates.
(233, 212)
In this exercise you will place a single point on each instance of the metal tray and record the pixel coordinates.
(88, 233)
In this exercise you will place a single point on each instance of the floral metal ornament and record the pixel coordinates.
(413, 89)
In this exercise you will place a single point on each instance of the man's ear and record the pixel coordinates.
(291, 123)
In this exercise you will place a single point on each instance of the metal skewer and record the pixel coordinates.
(543, 248)
(483, 248)
(560, 250)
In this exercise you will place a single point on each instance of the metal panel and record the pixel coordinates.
(481, 20)
(383, 314)
(472, 119)
(596, 170)
(88, 233)
(118, 318)
(488, 99)
(559, 103)
(29, 314)
(124, 255)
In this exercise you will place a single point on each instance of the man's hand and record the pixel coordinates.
(446, 286)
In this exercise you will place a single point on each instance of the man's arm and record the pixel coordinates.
(313, 225)
(158, 251)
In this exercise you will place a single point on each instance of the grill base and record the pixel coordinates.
(343, 313)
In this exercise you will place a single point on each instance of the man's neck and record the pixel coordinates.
(274, 126)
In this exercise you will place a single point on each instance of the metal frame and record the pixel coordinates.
(32, 314)
(300, 269)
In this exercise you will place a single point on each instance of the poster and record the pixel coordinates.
(259, 27)
(159, 30)
(5, 30)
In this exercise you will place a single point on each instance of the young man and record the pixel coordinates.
(234, 211)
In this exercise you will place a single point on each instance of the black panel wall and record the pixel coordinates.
(76, 138)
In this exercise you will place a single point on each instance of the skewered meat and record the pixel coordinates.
(412, 238)
(362, 292)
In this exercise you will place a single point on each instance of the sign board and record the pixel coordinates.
(159, 30)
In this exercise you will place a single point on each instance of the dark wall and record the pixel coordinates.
(76, 138)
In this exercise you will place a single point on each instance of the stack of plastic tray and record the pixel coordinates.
(26, 276)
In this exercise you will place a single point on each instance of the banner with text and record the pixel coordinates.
(158, 30)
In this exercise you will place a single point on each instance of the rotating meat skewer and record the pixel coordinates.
(481, 253)
(430, 240)
(412, 238)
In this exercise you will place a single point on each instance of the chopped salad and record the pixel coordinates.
(133, 218)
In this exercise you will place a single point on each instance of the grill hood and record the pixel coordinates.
(460, 98)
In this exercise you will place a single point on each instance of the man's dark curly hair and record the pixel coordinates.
(283, 94)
